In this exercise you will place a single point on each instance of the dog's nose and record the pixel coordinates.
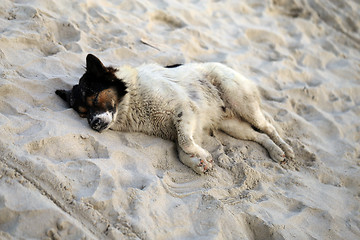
(100, 121)
(96, 122)
(97, 125)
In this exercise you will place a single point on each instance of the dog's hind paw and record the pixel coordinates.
(289, 153)
(277, 154)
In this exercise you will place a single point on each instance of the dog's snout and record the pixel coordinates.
(100, 122)
(96, 122)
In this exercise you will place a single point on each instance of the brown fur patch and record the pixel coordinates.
(104, 99)
(83, 115)
(90, 100)
(82, 110)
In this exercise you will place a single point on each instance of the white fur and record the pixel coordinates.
(181, 103)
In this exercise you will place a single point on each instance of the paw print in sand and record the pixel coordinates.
(63, 230)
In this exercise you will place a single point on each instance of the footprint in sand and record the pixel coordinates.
(304, 156)
(22, 12)
(83, 176)
(264, 36)
(14, 100)
(288, 8)
(169, 22)
(293, 205)
(64, 230)
(66, 34)
(67, 148)
(259, 229)
(313, 115)
(76, 157)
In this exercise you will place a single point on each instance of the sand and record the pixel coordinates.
(61, 180)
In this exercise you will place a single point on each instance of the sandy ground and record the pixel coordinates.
(61, 180)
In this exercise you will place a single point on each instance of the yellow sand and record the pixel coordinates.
(61, 180)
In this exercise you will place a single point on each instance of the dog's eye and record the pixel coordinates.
(82, 109)
(110, 107)
(83, 115)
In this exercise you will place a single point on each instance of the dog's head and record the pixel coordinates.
(97, 95)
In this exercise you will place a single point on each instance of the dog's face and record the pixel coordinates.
(98, 94)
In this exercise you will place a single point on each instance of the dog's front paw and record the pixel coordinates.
(202, 165)
(201, 161)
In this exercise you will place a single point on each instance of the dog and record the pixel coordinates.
(179, 103)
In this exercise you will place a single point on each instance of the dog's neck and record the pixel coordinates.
(129, 74)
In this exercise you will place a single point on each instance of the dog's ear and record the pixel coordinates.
(94, 65)
(74, 100)
(65, 95)
(72, 97)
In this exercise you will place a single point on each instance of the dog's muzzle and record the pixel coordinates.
(101, 121)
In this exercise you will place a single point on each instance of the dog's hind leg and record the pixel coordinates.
(253, 114)
(241, 95)
(244, 131)
(190, 153)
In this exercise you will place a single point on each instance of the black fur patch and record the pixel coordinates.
(174, 65)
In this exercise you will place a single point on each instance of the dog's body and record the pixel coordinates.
(159, 99)
(181, 103)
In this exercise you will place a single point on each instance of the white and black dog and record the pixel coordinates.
(179, 103)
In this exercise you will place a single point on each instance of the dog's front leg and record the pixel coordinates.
(190, 153)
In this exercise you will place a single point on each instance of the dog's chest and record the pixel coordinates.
(148, 114)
